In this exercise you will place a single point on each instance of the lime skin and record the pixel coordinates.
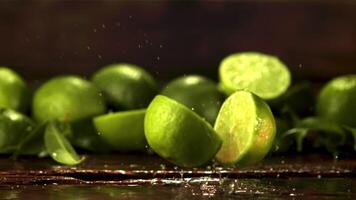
(198, 93)
(178, 134)
(126, 86)
(14, 92)
(67, 98)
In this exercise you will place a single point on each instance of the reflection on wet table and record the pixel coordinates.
(149, 177)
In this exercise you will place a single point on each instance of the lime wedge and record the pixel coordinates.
(262, 74)
(337, 100)
(122, 130)
(247, 127)
(198, 93)
(178, 134)
(126, 86)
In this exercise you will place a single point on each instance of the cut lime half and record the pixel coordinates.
(122, 130)
(262, 74)
(247, 127)
(178, 134)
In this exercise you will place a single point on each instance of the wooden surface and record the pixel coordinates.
(149, 177)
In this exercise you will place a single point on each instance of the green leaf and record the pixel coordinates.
(57, 144)
(327, 134)
(32, 143)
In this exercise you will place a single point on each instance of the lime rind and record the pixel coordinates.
(178, 134)
(262, 74)
(124, 130)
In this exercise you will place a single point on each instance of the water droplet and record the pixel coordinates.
(54, 154)
(160, 46)
(103, 26)
(94, 30)
(29, 128)
(99, 56)
(88, 47)
(158, 58)
(99, 133)
(319, 176)
(162, 166)
(192, 109)
(292, 194)
(139, 46)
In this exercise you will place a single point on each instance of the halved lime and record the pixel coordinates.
(198, 93)
(14, 93)
(178, 134)
(68, 98)
(337, 100)
(126, 86)
(122, 130)
(247, 127)
(262, 74)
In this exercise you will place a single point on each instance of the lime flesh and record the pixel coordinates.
(262, 74)
(123, 130)
(247, 127)
(178, 134)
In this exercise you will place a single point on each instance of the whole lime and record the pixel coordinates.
(67, 98)
(337, 100)
(126, 86)
(14, 92)
(198, 93)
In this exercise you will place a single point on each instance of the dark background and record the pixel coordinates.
(43, 38)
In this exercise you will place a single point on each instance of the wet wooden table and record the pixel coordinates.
(149, 177)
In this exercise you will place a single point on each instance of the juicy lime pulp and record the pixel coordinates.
(14, 93)
(262, 74)
(178, 134)
(247, 128)
(68, 98)
(337, 100)
(123, 130)
(126, 86)
(198, 93)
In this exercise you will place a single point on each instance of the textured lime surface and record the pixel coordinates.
(247, 128)
(123, 130)
(13, 90)
(68, 98)
(178, 134)
(337, 100)
(262, 74)
(198, 93)
(126, 86)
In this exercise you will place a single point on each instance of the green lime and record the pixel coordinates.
(178, 134)
(122, 130)
(262, 74)
(67, 98)
(14, 92)
(247, 127)
(126, 86)
(13, 127)
(337, 100)
(198, 93)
